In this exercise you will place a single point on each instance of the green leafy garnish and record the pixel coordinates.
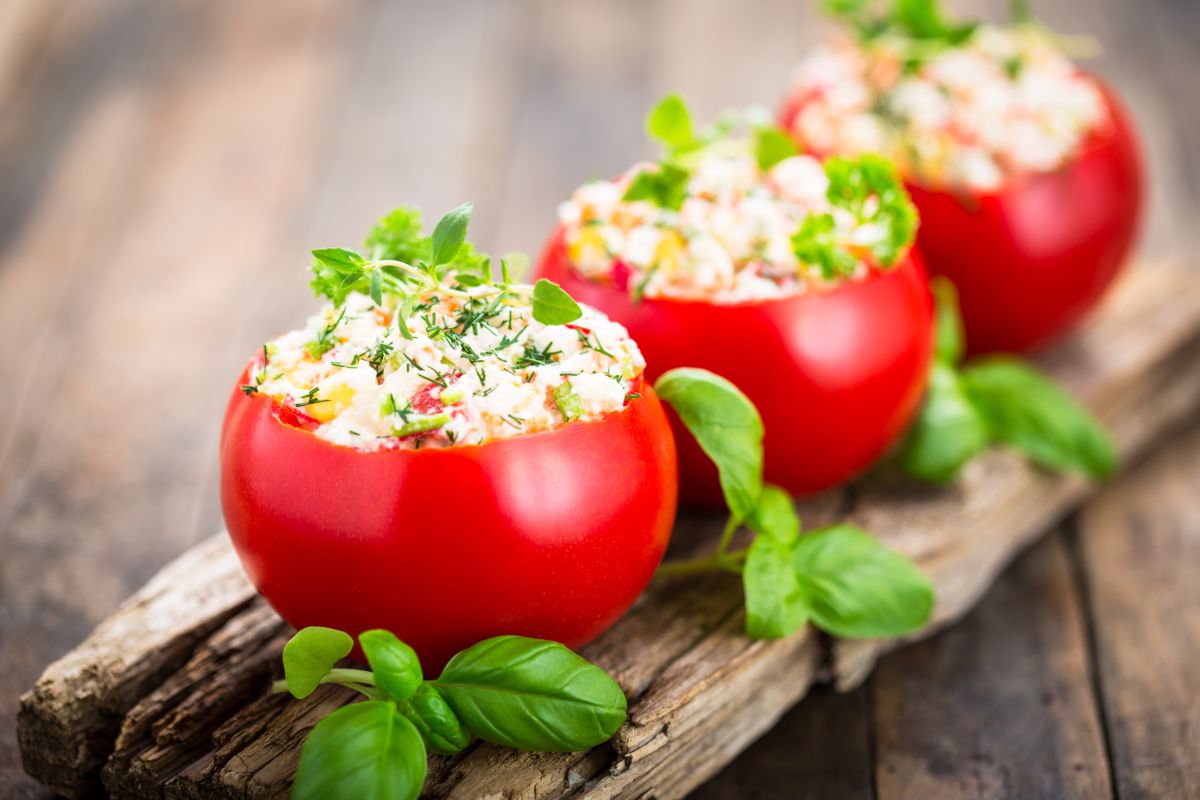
(838, 578)
(670, 122)
(664, 185)
(772, 145)
(310, 655)
(450, 234)
(363, 750)
(727, 427)
(532, 695)
(868, 187)
(510, 690)
(552, 305)
(996, 400)
(919, 20)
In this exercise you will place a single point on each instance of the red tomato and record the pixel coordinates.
(1030, 260)
(835, 375)
(550, 534)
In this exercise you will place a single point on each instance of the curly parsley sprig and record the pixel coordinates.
(409, 266)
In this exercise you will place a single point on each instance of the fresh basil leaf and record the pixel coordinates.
(670, 122)
(726, 426)
(435, 721)
(532, 694)
(775, 604)
(665, 185)
(854, 587)
(552, 305)
(363, 750)
(774, 516)
(376, 288)
(450, 233)
(339, 257)
(947, 433)
(397, 668)
(772, 145)
(1028, 411)
(310, 654)
(947, 322)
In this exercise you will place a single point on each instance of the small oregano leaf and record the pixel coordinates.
(339, 257)
(727, 427)
(856, 588)
(376, 288)
(310, 654)
(772, 145)
(552, 305)
(450, 233)
(363, 750)
(1029, 412)
(947, 433)
(435, 721)
(670, 122)
(532, 694)
(947, 322)
(396, 666)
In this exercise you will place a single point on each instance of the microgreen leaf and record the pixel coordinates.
(670, 122)
(772, 145)
(552, 305)
(1028, 411)
(397, 668)
(362, 750)
(726, 426)
(947, 433)
(450, 233)
(532, 694)
(310, 654)
(854, 587)
(337, 272)
(948, 324)
(435, 720)
(665, 185)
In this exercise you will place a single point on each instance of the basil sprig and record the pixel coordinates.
(1000, 399)
(514, 691)
(839, 578)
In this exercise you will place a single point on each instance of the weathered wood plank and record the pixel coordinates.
(1139, 552)
(1001, 707)
(700, 691)
(1002, 503)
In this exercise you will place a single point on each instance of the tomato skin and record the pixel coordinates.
(1031, 260)
(836, 376)
(550, 534)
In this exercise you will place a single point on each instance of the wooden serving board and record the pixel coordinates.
(168, 697)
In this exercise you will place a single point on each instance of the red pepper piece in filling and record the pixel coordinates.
(288, 414)
(621, 273)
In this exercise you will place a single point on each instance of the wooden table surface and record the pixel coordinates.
(165, 166)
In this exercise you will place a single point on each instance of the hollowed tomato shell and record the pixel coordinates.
(1031, 259)
(836, 375)
(550, 534)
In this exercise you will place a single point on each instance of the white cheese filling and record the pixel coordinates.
(1006, 101)
(475, 369)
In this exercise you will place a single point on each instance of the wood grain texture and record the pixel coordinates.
(1139, 552)
(700, 690)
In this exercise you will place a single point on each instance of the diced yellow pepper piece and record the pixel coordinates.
(587, 245)
(669, 252)
(338, 398)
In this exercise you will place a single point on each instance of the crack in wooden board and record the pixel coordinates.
(699, 690)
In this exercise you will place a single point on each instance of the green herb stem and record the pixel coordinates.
(718, 562)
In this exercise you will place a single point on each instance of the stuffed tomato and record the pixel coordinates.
(468, 473)
(795, 281)
(1025, 170)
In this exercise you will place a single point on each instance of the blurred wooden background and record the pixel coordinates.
(165, 166)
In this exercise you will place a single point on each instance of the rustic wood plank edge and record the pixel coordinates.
(700, 691)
